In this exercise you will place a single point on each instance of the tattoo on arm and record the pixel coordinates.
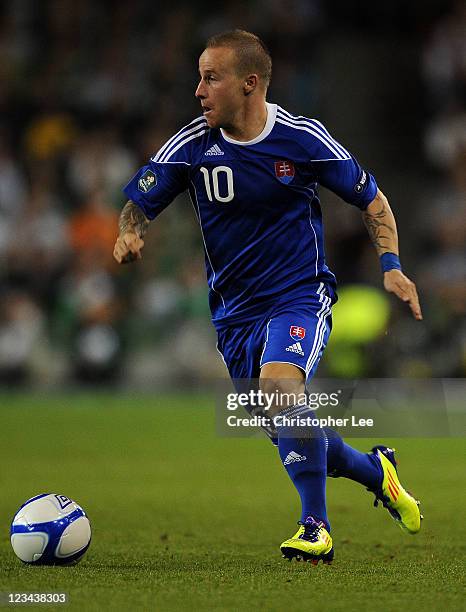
(133, 219)
(381, 227)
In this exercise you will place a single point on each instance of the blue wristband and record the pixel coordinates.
(390, 261)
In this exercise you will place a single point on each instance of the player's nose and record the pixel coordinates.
(200, 93)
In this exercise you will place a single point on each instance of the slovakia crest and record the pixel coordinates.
(284, 171)
(297, 333)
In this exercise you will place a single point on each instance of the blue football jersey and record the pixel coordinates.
(257, 205)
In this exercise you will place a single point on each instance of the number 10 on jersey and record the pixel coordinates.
(215, 184)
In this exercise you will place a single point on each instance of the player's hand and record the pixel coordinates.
(128, 248)
(396, 282)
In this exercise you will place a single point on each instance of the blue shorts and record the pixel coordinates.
(296, 333)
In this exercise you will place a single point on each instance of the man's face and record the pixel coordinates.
(220, 90)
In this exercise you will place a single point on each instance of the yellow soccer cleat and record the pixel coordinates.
(312, 542)
(401, 504)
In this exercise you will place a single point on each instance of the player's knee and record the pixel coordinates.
(284, 383)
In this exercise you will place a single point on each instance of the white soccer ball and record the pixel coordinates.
(50, 529)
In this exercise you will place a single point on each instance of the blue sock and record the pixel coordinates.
(303, 453)
(343, 460)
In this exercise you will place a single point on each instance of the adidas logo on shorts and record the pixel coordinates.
(296, 348)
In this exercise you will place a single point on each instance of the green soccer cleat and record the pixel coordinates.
(312, 542)
(401, 505)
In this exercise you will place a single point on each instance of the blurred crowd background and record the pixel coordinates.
(89, 90)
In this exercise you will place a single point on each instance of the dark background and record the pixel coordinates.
(89, 90)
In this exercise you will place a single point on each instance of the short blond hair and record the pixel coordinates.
(252, 55)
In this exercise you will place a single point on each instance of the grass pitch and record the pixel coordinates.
(183, 519)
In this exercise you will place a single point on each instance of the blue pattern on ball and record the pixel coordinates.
(54, 530)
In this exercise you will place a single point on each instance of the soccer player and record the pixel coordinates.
(252, 170)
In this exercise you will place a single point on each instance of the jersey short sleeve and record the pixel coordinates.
(155, 185)
(336, 169)
(166, 175)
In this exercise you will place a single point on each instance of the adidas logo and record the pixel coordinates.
(294, 457)
(215, 150)
(295, 348)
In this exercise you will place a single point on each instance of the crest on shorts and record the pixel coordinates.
(147, 181)
(284, 171)
(297, 333)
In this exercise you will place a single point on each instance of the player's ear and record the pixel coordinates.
(250, 84)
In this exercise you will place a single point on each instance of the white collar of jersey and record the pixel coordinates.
(271, 114)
